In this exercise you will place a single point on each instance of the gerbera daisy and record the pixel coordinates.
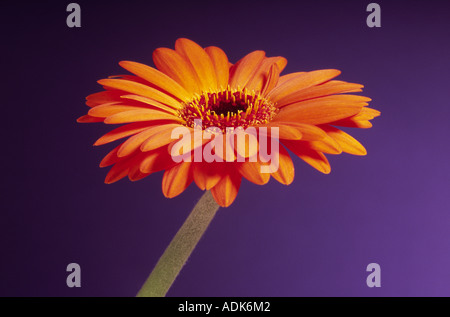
(193, 83)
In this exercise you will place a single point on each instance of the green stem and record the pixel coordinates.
(180, 248)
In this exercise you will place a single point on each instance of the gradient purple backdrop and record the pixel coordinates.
(312, 238)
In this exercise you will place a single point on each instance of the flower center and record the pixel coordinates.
(228, 108)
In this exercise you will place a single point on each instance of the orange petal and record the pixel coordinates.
(157, 78)
(150, 102)
(243, 70)
(325, 89)
(271, 81)
(220, 63)
(346, 142)
(312, 157)
(140, 89)
(118, 171)
(226, 190)
(269, 67)
(109, 109)
(137, 140)
(367, 114)
(115, 174)
(134, 142)
(176, 67)
(132, 78)
(302, 81)
(155, 161)
(224, 147)
(89, 119)
(281, 62)
(111, 157)
(245, 143)
(252, 172)
(200, 62)
(289, 132)
(206, 175)
(308, 132)
(162, 137)
(285, 172)
(360, 120)
(285, 130)
(352, 123)
(283, 79)
(322, 110)
(189, 144)
(135, 175)
(140, 115)
(326, 145)
(122, 132)
(176, 179)
(102, 97)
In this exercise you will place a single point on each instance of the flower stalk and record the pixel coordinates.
(180, 248)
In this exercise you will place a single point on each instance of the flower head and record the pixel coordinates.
(198, 89)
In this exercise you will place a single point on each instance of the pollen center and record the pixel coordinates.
(228, 108)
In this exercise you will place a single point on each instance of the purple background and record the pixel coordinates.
(312, 238)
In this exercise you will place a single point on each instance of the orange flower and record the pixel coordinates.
(191, 83)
